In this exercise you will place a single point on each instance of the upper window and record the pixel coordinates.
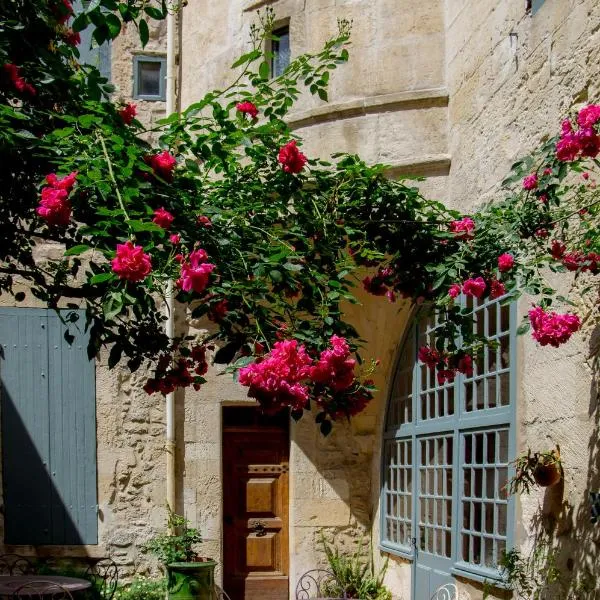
(48, 428)
(149, 77)
(280, 51)
(446, 453)
(534, 5)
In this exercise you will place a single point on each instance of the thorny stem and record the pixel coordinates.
(112, 177)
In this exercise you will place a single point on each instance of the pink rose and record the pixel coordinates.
(291, 159)
(19, 82)
(530, 182)
(589, 142)
(463, 228)
(506, 262)
(247, 108)
(175, 238)
(163, 165)
(454, 290)
(497, 289)
(204, 221)
(128, 113)
(163, 218)
(568, 147)
(588, 116)
(551, 328)
(195, 272)
(430, 356)
(474, 287)
(54, 206)
(131, 262)
(65, 183)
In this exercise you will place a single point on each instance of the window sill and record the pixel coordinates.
(491, 578)
(396, 551)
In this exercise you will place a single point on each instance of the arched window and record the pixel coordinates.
(446, 454)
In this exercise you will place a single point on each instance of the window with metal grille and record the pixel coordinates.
(280, 51)
(446, 451)
(149, 77)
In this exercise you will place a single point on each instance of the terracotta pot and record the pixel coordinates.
(547, 475)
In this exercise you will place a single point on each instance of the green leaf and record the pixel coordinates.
(154, 13)
(322, 94)
(101, 278)
(264, 70)
(114, 25)
(144, 31)
(77, 250)
(247, 58)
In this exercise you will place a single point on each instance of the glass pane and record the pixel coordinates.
(281, 51)
(148, 78)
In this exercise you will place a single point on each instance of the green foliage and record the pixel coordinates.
(176, 544)
(354, 574)
(142, 588)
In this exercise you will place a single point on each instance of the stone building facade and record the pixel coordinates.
(451, 90)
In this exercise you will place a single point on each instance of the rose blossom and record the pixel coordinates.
(195, 272)
(54, 206)
(557, 249)
(175, 238)
(247, 108)
(128, 113)
(497, 289)
(430, 356)
(335, 368)
(19, 82)
(454, 290)
(530, 182)
(277, 380)
(375, 286)
(64, 12)
(589, 142)
(131, 262)
(463, 228)
(72, 37)
(588, 116)
(65, 183)
(474, 287)
(291, 159)
(444, 375)
(163, 218)
(552, 328)
(205, 221)
(465, 365)
(163, 164)
(506, 262)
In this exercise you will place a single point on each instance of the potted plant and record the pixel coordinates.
(536, 468)
(189, 577)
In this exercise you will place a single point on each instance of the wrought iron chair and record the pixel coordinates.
(318, 583)
(449, 591)
(15, 564)
(104, 576)
(42, 590)
(220, 594)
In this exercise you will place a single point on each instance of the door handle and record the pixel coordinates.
(259, 528)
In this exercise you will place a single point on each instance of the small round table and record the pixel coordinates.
(10, 584)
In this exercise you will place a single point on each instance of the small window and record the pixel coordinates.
(280, 51)
(534, 5)
(149, 73)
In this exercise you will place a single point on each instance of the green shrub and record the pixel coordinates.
(354, 574)
(142, 588)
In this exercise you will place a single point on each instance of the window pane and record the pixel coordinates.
(148, 78)
(281, 51)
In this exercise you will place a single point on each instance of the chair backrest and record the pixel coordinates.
(449, 591)
(104, 575)
(15, 564)
(318, 583)
(41, 590)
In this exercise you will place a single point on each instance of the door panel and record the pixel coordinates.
(255, 480)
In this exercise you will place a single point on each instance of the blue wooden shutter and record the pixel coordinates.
(97, 56)
(48, 430)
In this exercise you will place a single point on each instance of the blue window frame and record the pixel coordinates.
(446, 453)
(149, 77)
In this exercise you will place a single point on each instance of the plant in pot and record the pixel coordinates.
(536, 468)
(189, 577)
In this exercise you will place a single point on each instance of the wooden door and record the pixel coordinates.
(255, 515)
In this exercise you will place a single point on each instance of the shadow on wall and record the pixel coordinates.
(565, 560)
(34, 510)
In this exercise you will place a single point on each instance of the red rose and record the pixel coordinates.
(128, 113)
(247, 108)
(291, 158)
(506, 262)
(163, 218)
(131, 262)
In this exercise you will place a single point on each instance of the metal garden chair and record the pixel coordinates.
(42, 590)
(104, 576)
(318, 583)
(15, 564)
(449, 591)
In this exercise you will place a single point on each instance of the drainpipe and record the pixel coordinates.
(170, 305)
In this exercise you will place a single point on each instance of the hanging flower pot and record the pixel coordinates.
(536, 468)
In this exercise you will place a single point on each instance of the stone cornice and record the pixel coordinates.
(437, 97)
(420, 166)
